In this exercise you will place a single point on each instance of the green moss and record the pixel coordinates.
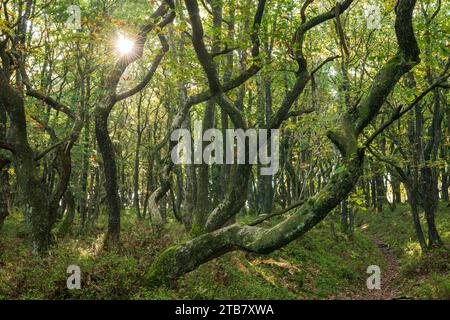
(196, 230)
(436, 286)
(421, 275)
(162, 270)
(322, 264)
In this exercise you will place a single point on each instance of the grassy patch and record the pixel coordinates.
(318, 266)
(422, 275)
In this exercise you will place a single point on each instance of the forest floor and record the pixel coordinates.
(387, 289)
(410, 273)
(324, 264)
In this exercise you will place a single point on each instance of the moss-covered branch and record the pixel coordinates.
(181, 259)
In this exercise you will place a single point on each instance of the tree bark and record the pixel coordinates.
(66, 225)
(136, 198)
(109, 99)
(29, 185)
(110, 171)
(203, 199)
(413, 204)
(180, 259)
(4, 175)
(4, 194)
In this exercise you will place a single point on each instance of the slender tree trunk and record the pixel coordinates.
(4, 175)
(397, 197)
(84, 174)
(190, 191)
(94, 201)
(366, 184)
(110, 171)
(202, 207)
(413, 204)
(4, 194)
(224, 173)
(266, 181)
(85, 96)
(444, 186)
(351, 222)
(426, 175)
(380, 192)
(344, 216)
(136, 203)
(446, 152)
(203, 199)
(104, 108)
(177, 199)
(429, 173)
(373, 192)
(70, 215)
(149, 184)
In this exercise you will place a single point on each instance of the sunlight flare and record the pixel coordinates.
(124, 46)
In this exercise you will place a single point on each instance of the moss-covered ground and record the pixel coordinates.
(324, 264)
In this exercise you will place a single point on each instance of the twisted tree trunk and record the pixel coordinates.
(180, 259)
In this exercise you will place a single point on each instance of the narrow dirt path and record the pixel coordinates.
(388, 274)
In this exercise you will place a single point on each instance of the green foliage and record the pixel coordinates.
(436, 286)
(316, 266)
(196, 230)
(71, 67)
(422, 275)
(323, 264)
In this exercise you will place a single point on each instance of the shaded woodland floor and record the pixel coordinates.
(390, 273)
(324, 264)
(420, 275)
